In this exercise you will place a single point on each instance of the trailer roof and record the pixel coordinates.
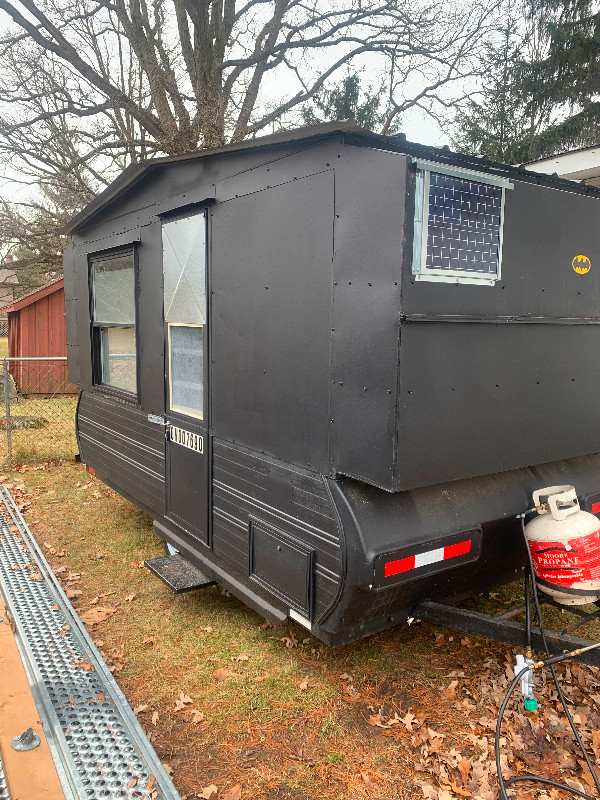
(351, 133)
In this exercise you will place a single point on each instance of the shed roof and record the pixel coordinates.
(33, 297)
(352, 134)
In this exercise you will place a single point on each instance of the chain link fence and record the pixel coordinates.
(37, 404)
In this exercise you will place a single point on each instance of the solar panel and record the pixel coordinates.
(463, 230)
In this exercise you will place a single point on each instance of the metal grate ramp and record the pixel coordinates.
(99, 749)
(3, 789)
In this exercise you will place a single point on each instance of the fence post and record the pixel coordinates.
(7, 405)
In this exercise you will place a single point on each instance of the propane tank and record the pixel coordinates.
(565, 547)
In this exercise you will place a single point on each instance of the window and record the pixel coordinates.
(113, 321)
(184, 272)
(458, 225)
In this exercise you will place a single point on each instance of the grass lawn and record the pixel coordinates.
(231, 701)
(51, 431)
(43, 428)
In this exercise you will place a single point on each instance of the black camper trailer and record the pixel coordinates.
(333, 366)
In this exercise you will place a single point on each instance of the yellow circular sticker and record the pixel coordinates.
(581, 264)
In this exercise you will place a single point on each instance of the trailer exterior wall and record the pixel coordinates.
(270, 358)
(499, 377)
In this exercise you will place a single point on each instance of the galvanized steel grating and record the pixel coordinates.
(98, 745)
(3, 787)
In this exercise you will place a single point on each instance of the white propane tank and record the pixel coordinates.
(565, 546)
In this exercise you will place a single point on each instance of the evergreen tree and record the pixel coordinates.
(562, 87)
(495, 124)
(542, 91)
(347, 100)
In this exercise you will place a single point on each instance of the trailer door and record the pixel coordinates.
(184, 272)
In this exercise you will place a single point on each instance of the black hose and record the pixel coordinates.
(505, 784)
(550, 662)
(528, 576)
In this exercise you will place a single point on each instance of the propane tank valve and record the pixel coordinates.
(530, 702)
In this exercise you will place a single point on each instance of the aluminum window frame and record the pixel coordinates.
(97, 326)
(421, 225)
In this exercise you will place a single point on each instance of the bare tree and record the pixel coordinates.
(92, 85)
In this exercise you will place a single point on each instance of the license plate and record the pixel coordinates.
(193, 441)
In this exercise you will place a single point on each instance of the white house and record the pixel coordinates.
(577, 165)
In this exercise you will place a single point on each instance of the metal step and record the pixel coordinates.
(96, 742)
(178, 573)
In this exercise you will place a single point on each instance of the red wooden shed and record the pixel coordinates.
(36, 329)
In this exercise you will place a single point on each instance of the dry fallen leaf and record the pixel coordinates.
(234, 793)
(197, 716)
(73, 593)
(464, 767)
(243, 657)
(378, 721)
(367, 779)
(98, 614)
(154, 718)
(408, 721)
(223, 674)
(132, 782)
(182, 701)
(130, 597)
(209, 792)
(84, 664)
(141, 709)
(149, 640)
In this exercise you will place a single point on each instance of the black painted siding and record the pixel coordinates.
(117, 439)
(248, 486)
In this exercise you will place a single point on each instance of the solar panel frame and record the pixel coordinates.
(478, 237)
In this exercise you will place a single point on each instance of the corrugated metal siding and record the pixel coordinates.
(39, 330)
(116, 438)
(247, 486)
